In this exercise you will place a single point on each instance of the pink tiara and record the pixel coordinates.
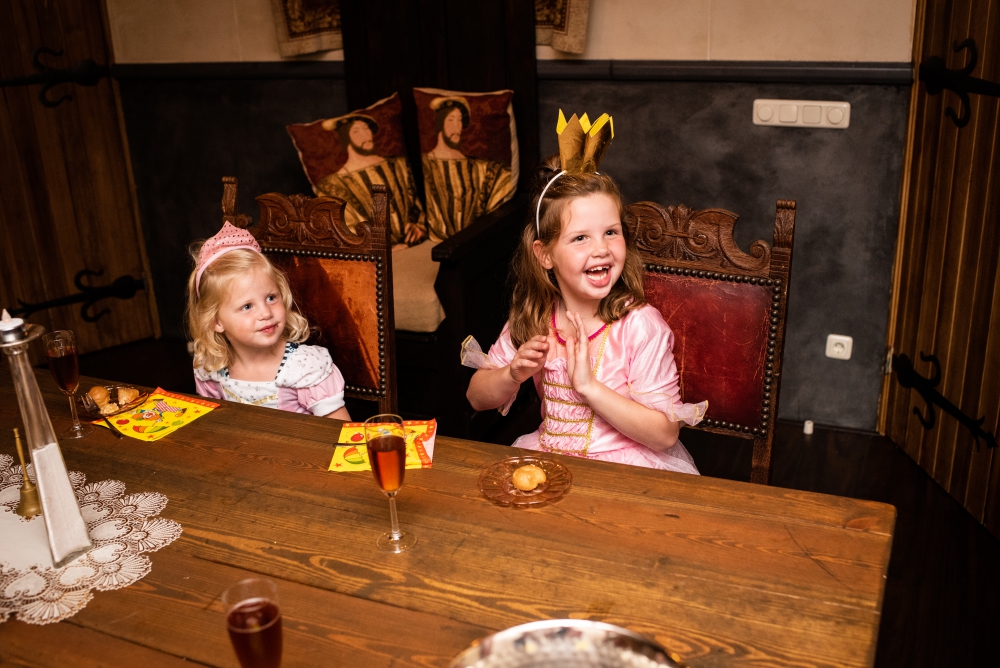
(229, 238)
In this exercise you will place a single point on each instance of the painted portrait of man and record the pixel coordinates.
(459, 188)
(365, 167)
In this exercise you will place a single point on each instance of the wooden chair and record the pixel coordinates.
(727, 310)
(341, 281)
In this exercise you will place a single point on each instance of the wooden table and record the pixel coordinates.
(722, 573)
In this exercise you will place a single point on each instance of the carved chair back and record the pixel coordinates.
(727, 310)
(341, 281)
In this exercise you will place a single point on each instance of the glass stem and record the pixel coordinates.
(72, 411)
(396, 533)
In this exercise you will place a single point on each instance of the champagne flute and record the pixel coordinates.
(254, 622)
(60, 349)
(386, 441)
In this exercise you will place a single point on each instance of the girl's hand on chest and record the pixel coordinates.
(581, 376)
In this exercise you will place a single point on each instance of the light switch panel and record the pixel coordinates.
(802, 114)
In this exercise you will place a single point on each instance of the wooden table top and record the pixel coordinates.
(720, 572)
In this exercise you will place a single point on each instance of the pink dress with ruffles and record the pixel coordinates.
(632, 356)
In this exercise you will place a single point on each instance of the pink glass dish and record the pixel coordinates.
(496, 483)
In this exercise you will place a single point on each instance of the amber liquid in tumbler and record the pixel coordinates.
(65, 366)
(387, 454)
(255, 630)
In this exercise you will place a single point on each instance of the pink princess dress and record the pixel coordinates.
(632, 356)
(307, 382)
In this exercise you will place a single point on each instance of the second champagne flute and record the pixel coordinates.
(60, 350)
(386, 441)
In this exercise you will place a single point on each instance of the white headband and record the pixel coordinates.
(538, 211)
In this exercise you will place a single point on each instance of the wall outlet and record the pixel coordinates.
(839, 346)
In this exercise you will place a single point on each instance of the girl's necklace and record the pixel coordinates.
(560, 339)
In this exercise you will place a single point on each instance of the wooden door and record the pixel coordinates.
(66, 199)
(946, 300)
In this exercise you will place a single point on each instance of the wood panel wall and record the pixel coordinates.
(947, 287)
(66, 199)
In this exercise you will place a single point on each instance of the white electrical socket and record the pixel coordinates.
(839, 346)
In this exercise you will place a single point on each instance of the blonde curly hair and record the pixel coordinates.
(212, 350)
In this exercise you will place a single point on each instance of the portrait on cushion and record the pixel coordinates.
(344, 156)
(468, 145)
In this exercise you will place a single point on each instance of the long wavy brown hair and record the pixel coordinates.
(537, 289)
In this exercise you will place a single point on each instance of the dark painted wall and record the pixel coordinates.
(185, 135)
(694, 143)
(677, 142)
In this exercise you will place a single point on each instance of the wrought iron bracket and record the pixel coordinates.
(123, 287)
(86, 73)
(910, 379)
(936, 76)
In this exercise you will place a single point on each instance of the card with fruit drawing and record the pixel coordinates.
(352, 454)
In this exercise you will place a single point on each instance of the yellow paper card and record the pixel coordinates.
(161, 414)
(352, 453)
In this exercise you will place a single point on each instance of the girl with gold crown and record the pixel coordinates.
(601, 359)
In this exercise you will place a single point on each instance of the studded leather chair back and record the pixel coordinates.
(341, 281)
(727, 310)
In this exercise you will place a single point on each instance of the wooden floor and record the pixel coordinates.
(942, 601)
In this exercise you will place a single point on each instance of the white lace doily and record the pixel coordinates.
(122, 528)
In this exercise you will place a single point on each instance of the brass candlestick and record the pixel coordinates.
(28, 506)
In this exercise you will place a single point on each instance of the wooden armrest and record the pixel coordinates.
(482, 231)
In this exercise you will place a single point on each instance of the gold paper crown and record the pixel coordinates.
(581, 143)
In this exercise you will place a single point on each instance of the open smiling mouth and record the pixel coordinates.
(598, 275)
(268, 330)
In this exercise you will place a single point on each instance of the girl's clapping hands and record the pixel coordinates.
(529, 358)
(578, 356)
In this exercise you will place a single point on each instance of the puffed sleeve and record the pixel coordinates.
(324, 397)
(501, 354)
(206, 386)
(318, 383)
(653, 378)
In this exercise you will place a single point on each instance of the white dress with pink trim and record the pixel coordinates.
(632, 356)
(307, 382)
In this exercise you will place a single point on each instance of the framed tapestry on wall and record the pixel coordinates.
(308, 26)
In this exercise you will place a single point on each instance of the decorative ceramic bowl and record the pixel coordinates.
(496, 482)
(565, 643)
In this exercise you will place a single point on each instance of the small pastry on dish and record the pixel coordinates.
(100, 395)
(127, 395)
(528, 477)
(109, 408)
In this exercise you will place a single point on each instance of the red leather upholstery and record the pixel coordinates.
(720, 341)
(336, 296)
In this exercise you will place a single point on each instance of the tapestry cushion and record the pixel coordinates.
(344, 156)
(415, 302)
(468, 146)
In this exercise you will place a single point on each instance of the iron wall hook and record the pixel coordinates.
(937, 77)
(123, 287)
(910, 379)
(85, 73)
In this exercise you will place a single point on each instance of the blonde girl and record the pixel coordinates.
(248, 336)
(601, 359)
